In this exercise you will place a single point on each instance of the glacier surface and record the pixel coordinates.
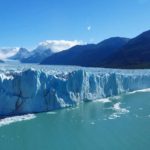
(32, 89)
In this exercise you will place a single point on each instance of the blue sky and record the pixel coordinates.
(28, 22)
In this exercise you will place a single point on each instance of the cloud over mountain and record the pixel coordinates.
(58, 45)
(7, 52)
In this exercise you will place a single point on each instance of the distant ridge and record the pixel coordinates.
(114, 52)
(37, 55)
(91, 55)
(135, 54)
(22, 53)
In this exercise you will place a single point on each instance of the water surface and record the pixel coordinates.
(121, 122)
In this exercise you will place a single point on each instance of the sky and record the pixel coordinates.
(25, 23)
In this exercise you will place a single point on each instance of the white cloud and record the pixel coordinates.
(89, 28)
(58, 45)
(7, 52)
(54, 45)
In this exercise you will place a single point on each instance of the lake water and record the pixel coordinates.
(118, 123)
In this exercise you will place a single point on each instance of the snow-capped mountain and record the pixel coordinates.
(21, 54)
(25, 56)
(48, 48)
(41, 52)
(37, 55)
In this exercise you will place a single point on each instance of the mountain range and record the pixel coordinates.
(35, 56)
(115, 52)
(42, 51)
(91, 55)
(21, 54)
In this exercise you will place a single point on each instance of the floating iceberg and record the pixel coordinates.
(24, 90)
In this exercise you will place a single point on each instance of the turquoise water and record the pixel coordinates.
(121, 123)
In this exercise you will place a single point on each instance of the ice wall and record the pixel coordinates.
(33, 90)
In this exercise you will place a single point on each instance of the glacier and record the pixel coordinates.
(33, 89)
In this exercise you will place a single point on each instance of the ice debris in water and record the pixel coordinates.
(10, 120)
(118, 111)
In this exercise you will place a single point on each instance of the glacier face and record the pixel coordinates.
(29, 90)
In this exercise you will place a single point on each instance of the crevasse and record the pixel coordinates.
(33, 91)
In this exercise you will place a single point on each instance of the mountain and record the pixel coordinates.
(37, 55)
(90, 55)
(67, 57)
(135, 54)
(21, 54)
(43, 50)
